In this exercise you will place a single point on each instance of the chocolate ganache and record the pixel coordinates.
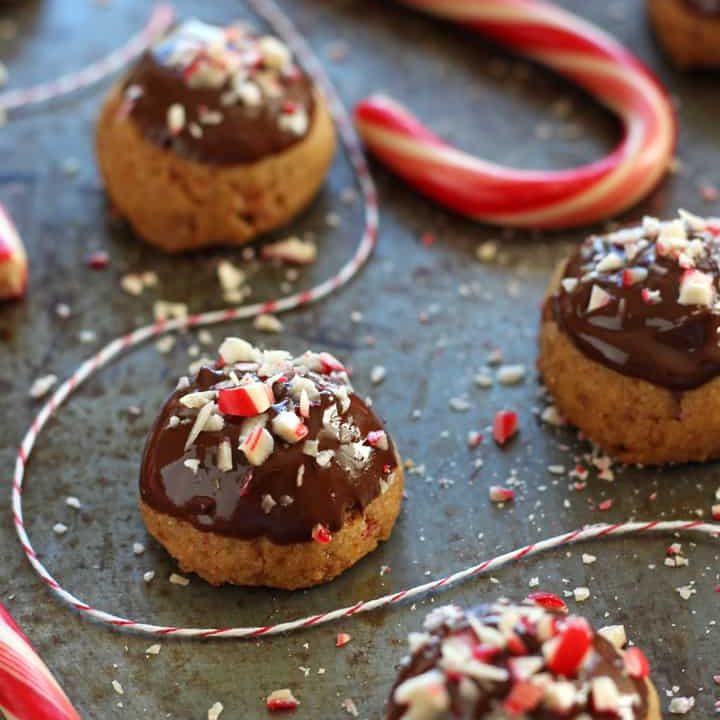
(266, 445)
(219, 96)
(709, 8)
(644, 301)
(505, 660)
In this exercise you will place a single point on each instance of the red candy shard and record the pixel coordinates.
(524, 697)
(245, 401)
(574, 641)
(549, 601)
(516, 646)
(98, 260)
(505, 426)
(281, 700)
(500, 494)
(636, 664)
(342, 639)
(485, 652)
(329, 363)
(605, 505)
(320, 534)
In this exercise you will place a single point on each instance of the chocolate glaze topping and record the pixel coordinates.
(443, 691)
(709, 8)
(219, 96)
(644, 301)
(301, 485)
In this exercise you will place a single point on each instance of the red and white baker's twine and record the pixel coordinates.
(282, 26)
(160, 20)
(506, 196)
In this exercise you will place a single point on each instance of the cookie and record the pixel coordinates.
(214, 137)
(689, 30)
(13, 260)
(506, 660)
(629, 341)
(269, 470)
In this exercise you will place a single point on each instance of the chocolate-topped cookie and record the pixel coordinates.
(214, 136)
(629, 342)
(269, 470)
(507, 660)
(689, 30)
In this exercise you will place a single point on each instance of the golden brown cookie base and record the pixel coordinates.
(691, 39)
(181, 205)
(653, 710)
(220, 559)
(631, 419)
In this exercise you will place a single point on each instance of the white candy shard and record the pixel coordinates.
(425, 695)
(598, 299)
(324, 458)
(672, 238)
(198, 399)
(569, 284)
(511, 374)
(299, 385)
(681, 705)
(249, 93)
(192, 464)
(292, 250)
(615, 635)
(611, 262)
(275, 54)
(605, 695)
(560, 696)
(176, 118)
(581, 594)
(288, 426)
(252, 423)
(224, 456)
(41, 386)
(234, 350)
(268, 323)
(696, 288)
(258, 446)
(304, 404)
(695, 222)
(199, 425)
(296, 122)
(267, 503)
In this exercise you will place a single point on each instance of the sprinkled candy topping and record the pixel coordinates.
(218, 95)
(266, 444)
(644, 301)
(506, 661)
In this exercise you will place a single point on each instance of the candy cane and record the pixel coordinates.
(13, 261)
(27, 689)
(160, 20)
(526, 198)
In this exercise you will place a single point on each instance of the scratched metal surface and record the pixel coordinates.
(484, 100)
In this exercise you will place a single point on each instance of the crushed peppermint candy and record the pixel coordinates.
(41, 386)
(215, 711)
(281, 700)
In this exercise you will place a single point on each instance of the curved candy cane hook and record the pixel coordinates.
(500, 195)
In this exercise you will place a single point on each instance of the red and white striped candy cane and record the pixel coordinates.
(28, 691)
(13, 260)
(501, 195)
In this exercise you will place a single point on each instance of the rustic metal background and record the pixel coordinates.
(484, 100)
